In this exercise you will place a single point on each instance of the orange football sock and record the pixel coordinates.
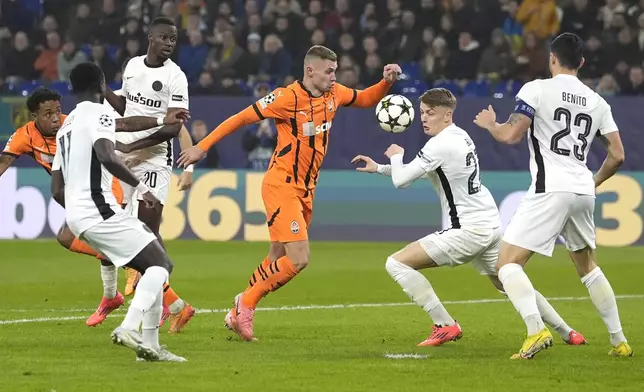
(268, 276)
(169, 296)
(79, 246)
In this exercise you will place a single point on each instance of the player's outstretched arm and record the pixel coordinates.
(6, 160)
(614, 159)
(373, 94)
(510, 132)
(403, 175)
(140, 123)
(165, 133)
(185, 142)
(116, 101)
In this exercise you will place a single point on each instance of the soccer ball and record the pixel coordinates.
(395, 113)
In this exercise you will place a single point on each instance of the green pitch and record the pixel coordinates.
(48, 292)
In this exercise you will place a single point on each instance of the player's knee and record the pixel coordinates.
(299, 254)
(395, 268)
(65, 237)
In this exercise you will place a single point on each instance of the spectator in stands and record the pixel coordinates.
(636, 82)
(39, 37)
(539, 17)
(607, 12)
(109, 23)
(205, 85)
(224, 11)
(463, 16)
(511, 28)
(272, 8)
(169, 10)
(430, 13)
(316, 10)
(192, 57)
(252, 25)
(595, 64)
(69, 57)
(607, 86)
(348, 77)
(132, 49)
(198, 131)
(435, 61)
(464, 61)
(47, 62)
(347, 46)
(640, 32)
(579, 18)
(626, 48)
(318, 38)
(20, 59)
(260, 139)
(409, 40)
(225, 58)
(133, 31)
(101, 58)
(448, 32)
(532, 60)
(275, 60)
(372, 72)
(621, 76)
(497, 61)
(83, 26)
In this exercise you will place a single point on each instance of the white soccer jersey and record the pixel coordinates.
(89, 199)
(151, 91)
(452, 166)
(566, 115)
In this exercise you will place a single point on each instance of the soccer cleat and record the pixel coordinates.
(442, 334)
(576, 339)
(133, 340)
(164, 315)
(240, 319)
(179, 320)
(106, 307)
(533, 344)
(164, 356)
(621, 350)
(132, 277)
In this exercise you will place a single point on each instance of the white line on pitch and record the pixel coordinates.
(291, 308)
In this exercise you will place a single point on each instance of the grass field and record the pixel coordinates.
(48, 292)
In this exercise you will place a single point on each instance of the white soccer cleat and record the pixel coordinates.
(164, 356)
(133, 340)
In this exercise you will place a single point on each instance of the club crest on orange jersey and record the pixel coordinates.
(295, 227)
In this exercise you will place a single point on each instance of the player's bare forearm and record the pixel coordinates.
(6, 160)
(105, 153)
(58, 187)
(614, 159)
(135, 123)
(371, 95)
(165, 133)
(231, 124)
(512, 131)
(116, 101)
(185, 141)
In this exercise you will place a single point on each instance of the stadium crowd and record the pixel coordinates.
(227, 47)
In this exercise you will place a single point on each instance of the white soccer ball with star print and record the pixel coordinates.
(395, 113)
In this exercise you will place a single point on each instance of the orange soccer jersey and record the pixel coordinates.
(27, 140)
(303, 125)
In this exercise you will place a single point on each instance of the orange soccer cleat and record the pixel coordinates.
(442, 334)
(179, 320)
(132, 277)
(106, 307)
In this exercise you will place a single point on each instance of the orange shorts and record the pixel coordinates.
(117, 190)
(288, 215)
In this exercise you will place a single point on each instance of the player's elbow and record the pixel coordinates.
(619, 158)
(400, 183)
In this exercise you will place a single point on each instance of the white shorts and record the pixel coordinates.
(454, 247)
(542, 217)
(119, 238)
(156, 177)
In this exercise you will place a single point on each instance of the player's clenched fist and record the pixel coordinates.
(190, 156)
(486, 118)
(370, 165)
(176, 116)
(390, 72)
(394, 149)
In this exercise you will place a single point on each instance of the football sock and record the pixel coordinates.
(264, 280)
(419, 290)
(603, 297)
(149, 287)
(150, 325)
(109, 276)
(81, 247)
(551, 317)
(172, 300)
(522, 295)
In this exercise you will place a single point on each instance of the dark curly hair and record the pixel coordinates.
(40, 95)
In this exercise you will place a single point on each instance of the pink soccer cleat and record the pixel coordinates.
(442, 334)
(240, 320)
(576, 339)
(106, 307)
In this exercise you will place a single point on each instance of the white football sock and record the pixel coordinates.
(603, 297)
(150, 285)
(419, 290)
(551, 317)
(109, 275)
(522, 295)
(150, 326)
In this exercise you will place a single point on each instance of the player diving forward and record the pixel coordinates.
(37, 139)
(563, 116)
(303, 113)
(450, 162)
(82, 171)
(153, 85)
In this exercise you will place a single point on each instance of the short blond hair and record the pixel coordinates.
(320, 52)
(438, 97)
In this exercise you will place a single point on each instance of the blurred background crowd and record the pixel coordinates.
(228, 47)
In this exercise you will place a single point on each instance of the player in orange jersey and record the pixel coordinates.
(37, 139)
(303, 113)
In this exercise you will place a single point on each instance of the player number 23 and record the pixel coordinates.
(578, 151)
